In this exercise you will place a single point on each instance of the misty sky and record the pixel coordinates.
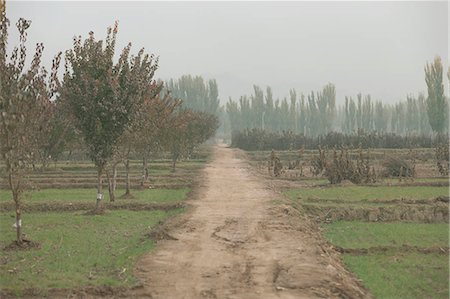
(370, 47)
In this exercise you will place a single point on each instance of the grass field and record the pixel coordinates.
(396, 273)
(408, 275)
(364, 193)
(77, 250)
(83, 195)
(358, 234)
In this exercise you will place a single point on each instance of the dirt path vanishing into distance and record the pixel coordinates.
(242, 240)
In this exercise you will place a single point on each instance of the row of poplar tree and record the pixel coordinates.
(317, 113)
(112, 107)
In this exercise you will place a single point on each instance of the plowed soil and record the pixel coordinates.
(242, 240)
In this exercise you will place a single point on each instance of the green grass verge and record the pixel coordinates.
(363, 193)
(356, 234)
(410, 275)
(77, 250)
(395, 273)
(83, 195)
(417, 180)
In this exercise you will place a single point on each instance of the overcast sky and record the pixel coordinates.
(370, 47)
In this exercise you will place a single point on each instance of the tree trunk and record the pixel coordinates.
(114, 182)
(110, 187)
(174, 162)
(45, 163)
(99, 187)
(144, 171)
(127, 183)
(14, 184)
(18, 217)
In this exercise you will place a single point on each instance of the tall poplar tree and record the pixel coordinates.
(436, 103)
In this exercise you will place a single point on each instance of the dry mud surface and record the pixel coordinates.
(241, 241)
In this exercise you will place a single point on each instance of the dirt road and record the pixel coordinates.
(241, 241)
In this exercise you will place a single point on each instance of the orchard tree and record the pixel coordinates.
(101, 95)
(24, 106)
(201, 127)
(156, 115)
(436, 102)
(59, 133)
(176, 136)
(138, 85)
(189, 129)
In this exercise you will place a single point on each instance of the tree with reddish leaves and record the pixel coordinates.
(189, 129)
(154, 117)
(137, 133)
(103, 96)
(59, 136)
(25, 103)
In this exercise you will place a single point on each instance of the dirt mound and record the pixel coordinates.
(93, 185)
(127, 196)
(445, 199)
(401, 212)
(347, 183)
(407, 201)
(415, 184)
(80, 206)
(24, 245)
(159, 233)
(384, 249)
(95, 212)
(84, 292)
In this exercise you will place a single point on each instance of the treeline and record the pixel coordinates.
(197, 94)
(406, 117)
(110, 109)
(257, 139)
(316, 113)
(200, 95)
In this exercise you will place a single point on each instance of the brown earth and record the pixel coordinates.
(241, 240)
(400, 249)
(24, 245)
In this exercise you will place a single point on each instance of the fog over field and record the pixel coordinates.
(370, 47)
(329, 120)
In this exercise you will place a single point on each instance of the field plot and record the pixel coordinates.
(78, 250)
(395, 260)
(84, 175)
(83, 253)
(392, 233)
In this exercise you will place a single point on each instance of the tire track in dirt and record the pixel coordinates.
(237, 243)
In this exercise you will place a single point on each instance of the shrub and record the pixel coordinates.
(274, 165)
(398, 167)
(318, 163)
(442, 158)
(341, 168)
